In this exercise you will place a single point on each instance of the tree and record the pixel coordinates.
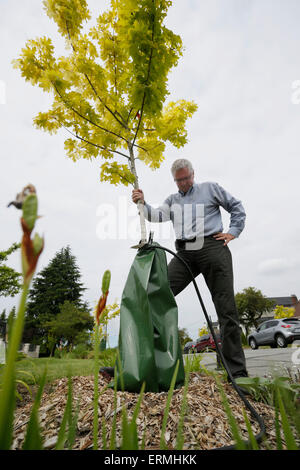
(183, 336)
(71, 324)
(10, 321)
(9, 278)
(3, 322)
(251, 304)
(283, 312)
(57, 282)
(202, 331)
(109, 92)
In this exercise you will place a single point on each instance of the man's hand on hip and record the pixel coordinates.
(224, 236)
(137, 195)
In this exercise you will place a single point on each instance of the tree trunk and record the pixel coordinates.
(140, 205)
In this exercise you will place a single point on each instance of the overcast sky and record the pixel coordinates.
(240, 65)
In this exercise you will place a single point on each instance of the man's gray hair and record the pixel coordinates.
(181, 163)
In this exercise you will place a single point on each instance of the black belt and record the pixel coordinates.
(180, 244)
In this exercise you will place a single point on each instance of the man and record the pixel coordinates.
(201, 242)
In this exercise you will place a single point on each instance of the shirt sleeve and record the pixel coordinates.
(233, 206)
(159, 214)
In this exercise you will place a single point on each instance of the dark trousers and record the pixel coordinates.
(215, 263)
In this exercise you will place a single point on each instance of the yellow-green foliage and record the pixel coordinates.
(109, 91)
(202, 331)
(283, 312)
(111, 311)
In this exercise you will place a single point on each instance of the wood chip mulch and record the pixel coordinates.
(205, 425)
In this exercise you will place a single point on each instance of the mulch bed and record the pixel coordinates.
(205, 425)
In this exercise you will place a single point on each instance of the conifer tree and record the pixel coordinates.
(3, 322)
(58, 282)
(109, 92)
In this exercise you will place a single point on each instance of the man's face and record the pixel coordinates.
(184, 179)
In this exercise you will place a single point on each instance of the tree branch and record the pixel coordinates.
(91, 143)
(148, 75)
(115, 66)
(94, 90)
(93, 123)
(106, 107)
(85, 118)
(130, 111)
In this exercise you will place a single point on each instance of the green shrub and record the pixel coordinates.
(107, 357)
(61, 353)
(193, 363)
(263, 389)
(80, 351)
(57, 354)
(21, 356)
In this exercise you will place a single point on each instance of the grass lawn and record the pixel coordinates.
(30, 370)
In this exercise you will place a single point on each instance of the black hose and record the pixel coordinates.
(259, 437)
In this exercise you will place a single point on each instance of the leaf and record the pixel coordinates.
(104, 442)
(278, 428)
(67, 418)
(33, 439)
(38, 244)
(166, 412)
(73, 427)
(24, 385)
(129, 428)
(106, 281)
(240, 444)
(180, 429)
(253, 441)
(30, 207)
(287, 430)
(68, 15)
(116, 174)
(113, 443)
(7, 407)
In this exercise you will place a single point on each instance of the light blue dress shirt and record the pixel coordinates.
(197, 213)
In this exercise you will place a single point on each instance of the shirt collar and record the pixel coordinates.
(188, 192)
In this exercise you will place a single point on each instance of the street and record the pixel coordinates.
(263, 362)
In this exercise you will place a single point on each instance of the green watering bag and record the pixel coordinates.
(148, 340)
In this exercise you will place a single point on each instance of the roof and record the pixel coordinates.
(285, 301)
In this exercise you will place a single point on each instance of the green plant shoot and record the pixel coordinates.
(30, 254)
(98, 316)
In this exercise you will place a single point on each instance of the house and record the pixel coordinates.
(291, 301)
(284, 301)
(296, 305)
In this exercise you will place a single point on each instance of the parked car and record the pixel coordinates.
(207, 343)
(275, 333)
(188, 347)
